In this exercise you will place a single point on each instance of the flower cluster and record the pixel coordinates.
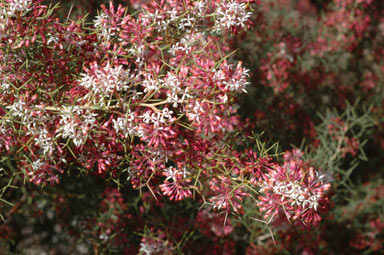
(176, 185)
(231, 14)
(12, 7)
(120, 86)
(297, 190)
(155, 244)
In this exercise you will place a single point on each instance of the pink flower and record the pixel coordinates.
(227, 196)
(176, 186)
(296, 189)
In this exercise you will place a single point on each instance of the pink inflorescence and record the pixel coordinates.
(295, 189)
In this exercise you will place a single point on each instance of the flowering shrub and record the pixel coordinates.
(138, 129)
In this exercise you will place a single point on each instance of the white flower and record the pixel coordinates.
(104, 82)
(297, 194)
(36, 165)
(180, 47)
(166, 114)
(5, 87)
(75, 124)
(313, 201)
(194, 115)
(103, 25)
(139, 53)
(237, 82)
(151, 84)
(186, 23)
(52, 38)
(200, 7)
(17, 6)
(44, 141)
(176, 94)
(18, 109)
(156, 118)
(158, 19)
(125, 125)
(231, 14)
